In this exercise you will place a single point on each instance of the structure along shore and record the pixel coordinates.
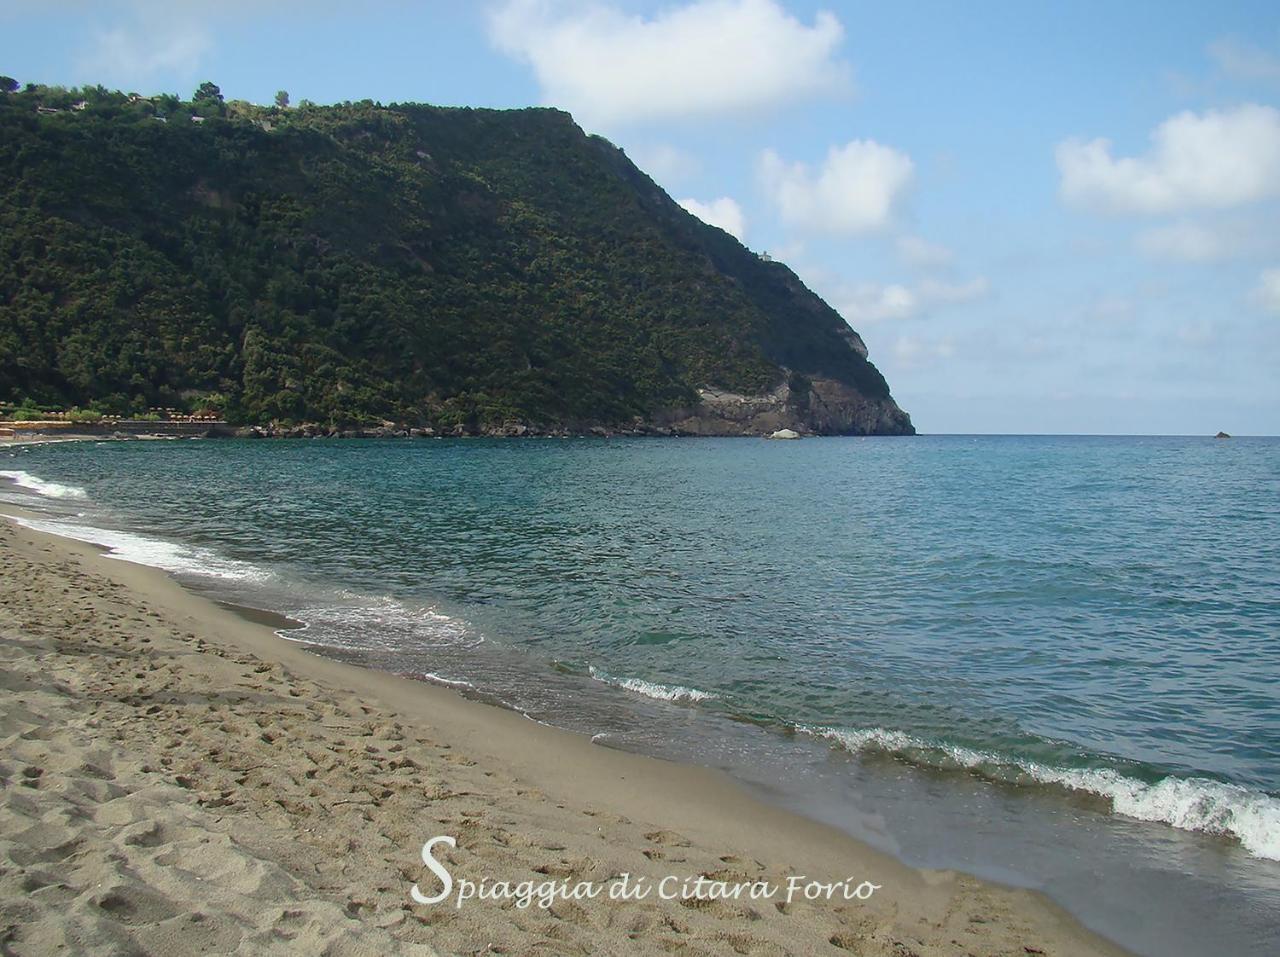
(179, 779)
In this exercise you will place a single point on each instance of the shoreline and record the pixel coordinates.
(690, 819)
(26, 433)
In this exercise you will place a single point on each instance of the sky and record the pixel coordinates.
(1040, 217)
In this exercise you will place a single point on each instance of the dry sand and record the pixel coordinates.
(179, 780)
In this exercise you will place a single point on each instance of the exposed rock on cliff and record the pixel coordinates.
(825, 407)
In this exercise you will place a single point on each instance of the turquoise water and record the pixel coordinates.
(1055, 628)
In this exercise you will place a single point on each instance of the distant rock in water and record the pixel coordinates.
(469, 271)
(785, 434)
(1222, 435)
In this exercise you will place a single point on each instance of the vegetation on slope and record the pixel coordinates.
(355, 263)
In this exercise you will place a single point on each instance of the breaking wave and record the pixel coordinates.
(1190, 804)
(441, 680)
(155, 552)
(651, 689)
(41, 486)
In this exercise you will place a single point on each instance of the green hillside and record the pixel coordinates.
(357, 263)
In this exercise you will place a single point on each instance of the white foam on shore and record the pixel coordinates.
(651, 689)
(154, 552)
(1190, 804)
(441, 680)
(40, 486)
(359, 622)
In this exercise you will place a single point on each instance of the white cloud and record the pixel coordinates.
(702, 58)
(791, 252)
(665, 163)
(869, 302)
(856, 190)
(1216, 159)
(1245, 61)
(920, 252)
(148, 39)
(913, 352)
(1187, 242)
(1267, 294)
(1250, 233)
(129, 56)
(723, 212)
(936, 292)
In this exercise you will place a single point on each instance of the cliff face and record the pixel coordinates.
(825, 407)
(459, 269)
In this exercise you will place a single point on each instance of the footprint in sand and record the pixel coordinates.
(668, 839)
(135, 905)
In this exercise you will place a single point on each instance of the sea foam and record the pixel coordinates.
(41, 486)
(441, 680)
(651, 689)
(155, 552)
(358, 622)
(1190, 804)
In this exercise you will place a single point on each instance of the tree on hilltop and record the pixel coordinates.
(282, 99)
(207, 92)
(8, 84)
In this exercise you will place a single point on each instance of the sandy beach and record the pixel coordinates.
(178, 779)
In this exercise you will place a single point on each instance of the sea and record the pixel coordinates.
(1049, 661)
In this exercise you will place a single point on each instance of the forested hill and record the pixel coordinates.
(457, 268)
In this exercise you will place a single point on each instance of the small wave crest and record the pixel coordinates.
(1190, 804)
(651, 689)
(155, 552)
(441, 680)
(40, 486)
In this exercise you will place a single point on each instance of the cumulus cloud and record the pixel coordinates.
(146, 47)
(872, 302)
(869, 302)
(665, 163)
(913, 352)
(1244, 60)
(935, 292)
(1187, 242)
(1267, 294)
(723, 212)
(916, 251)
(1250, 233)
(701, 58)
(1215, 159)
(856, 190)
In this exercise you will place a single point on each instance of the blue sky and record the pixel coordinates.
(1040, 218)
